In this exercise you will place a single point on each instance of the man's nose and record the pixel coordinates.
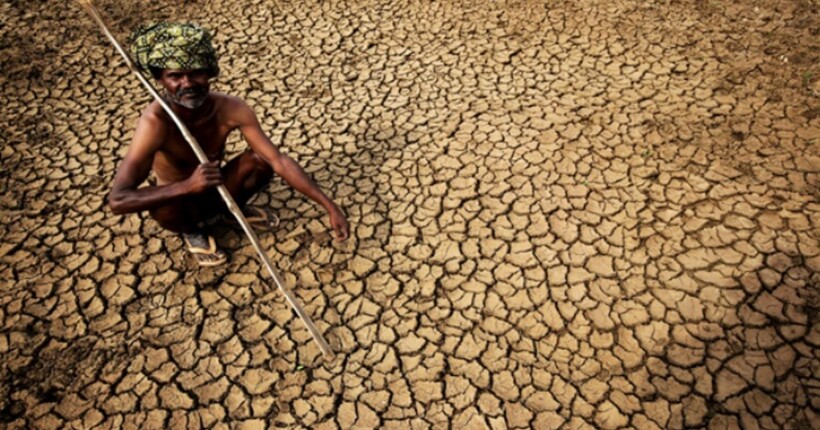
(185, 81)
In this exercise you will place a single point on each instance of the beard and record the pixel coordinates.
(190, 98)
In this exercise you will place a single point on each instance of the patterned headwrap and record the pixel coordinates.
(174, 46)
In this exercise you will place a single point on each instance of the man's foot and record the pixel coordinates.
(259, 219)
(203, 248)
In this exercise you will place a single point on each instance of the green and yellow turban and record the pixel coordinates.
(179, 46)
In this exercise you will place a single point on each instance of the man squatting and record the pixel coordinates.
(182, 60)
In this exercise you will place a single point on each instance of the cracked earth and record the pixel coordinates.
(579, 215)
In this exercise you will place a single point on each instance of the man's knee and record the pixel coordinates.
(259, 165)
(183, 215)
(256, 169)
(170, 219)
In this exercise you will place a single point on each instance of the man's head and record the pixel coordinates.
(180, 57)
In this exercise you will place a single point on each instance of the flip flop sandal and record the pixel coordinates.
(258, 218)
(203, 248)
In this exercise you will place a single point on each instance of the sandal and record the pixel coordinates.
(257, 218)
(203, 248)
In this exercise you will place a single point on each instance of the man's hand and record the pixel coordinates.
(205, 176)
(339, 223)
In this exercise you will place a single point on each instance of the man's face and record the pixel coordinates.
(187, 88)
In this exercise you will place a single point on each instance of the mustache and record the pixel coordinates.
(194, 91)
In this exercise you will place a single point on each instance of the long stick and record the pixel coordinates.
(226, 196)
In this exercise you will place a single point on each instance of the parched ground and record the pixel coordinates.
(584, 215)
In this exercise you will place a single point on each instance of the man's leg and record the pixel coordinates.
(184, 214)
(243, 176)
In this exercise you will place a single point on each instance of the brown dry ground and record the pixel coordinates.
(592, 214)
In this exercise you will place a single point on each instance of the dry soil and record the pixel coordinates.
(595, 214)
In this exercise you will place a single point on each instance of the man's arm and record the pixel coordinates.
(286, 167)
(125, 195)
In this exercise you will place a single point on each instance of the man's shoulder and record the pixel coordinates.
(227, 101)
(232, 109)
(154, 114)
(225, 108)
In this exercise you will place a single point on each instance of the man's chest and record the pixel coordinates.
(210, 137)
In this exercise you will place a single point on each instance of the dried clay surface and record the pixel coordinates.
(596, 214)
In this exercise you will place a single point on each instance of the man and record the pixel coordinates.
(182, 60)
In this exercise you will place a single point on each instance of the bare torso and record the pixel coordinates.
(175, 160)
